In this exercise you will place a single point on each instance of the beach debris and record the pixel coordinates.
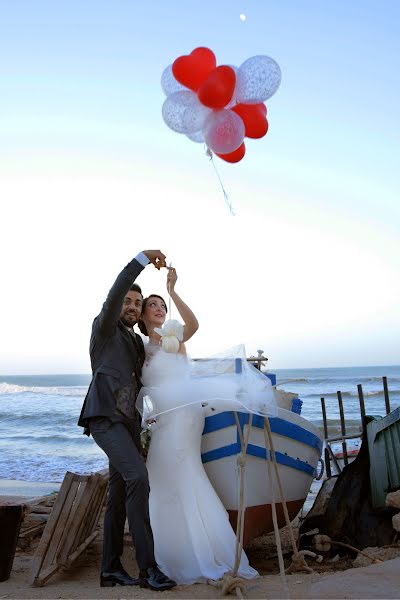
(299, 564)
(376, 554)
(344, 510)
(323, 543)
(71, 525)
(36, 517)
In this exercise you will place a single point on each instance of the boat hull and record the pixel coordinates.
(298, 446)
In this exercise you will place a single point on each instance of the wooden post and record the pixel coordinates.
(324, 418)
(328, 469)
(342, 428)
(386, 392)
(362, 405)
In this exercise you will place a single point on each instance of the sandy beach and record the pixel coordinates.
(331, 579)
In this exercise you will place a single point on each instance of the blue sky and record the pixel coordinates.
(90, 175)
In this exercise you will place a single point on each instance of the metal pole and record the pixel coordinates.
(362, 405)
(342, 428)
(324, 418)
(386, 392)
(326, 453)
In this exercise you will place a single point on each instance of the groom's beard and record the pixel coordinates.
(130, 320)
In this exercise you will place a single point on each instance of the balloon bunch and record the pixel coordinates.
(219, 106)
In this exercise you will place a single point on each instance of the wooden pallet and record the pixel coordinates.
(71, 525)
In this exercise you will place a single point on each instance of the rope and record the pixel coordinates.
(230, 581)
(323, 544)
(274, 516)
(241, 508)
(267, 427)
(226, 197)
(298, 557)
(169, 296)
(230, 584)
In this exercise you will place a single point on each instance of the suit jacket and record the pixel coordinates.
(116, 354)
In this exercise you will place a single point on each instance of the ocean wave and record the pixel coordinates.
(353, 426)
(338, 379)
(49, 439)
(50, 418)
(11, 388)
(36, 469)
(353, 394)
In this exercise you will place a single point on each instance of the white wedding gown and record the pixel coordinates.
(193, 538)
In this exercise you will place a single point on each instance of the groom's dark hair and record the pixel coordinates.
(136, 288)
(141, 324)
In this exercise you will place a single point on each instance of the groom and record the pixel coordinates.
(109, 414)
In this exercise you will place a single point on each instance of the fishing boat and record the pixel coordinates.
(298, 445)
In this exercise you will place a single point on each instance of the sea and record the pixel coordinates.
(40, 439)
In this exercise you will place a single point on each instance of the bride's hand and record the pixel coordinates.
(171, 279)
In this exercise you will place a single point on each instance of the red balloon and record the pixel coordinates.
(263, 108)
(192, 69)
(217, 90)
(253, 117)
(235, 156)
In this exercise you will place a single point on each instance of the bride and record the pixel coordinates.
(193, 538)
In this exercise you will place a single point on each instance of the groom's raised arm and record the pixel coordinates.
(106, 322)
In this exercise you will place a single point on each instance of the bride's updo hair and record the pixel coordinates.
(141, 324)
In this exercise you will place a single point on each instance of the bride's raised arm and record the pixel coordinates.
(191, 324)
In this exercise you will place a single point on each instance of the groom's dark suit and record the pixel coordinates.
(109, 414)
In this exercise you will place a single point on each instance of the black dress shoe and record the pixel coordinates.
(119, 577)
(154, 579)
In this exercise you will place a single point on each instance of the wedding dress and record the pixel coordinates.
(193, 538)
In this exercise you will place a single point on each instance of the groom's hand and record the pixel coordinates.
(156, 257)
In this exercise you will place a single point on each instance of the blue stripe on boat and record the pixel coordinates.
(282, 459)
(279, 426)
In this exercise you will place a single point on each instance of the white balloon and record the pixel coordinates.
(223, 131)
(194, 116)
(257, 80)
(197, 137)
(168, 82)
(174, 107)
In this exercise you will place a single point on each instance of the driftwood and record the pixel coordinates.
(71, 525)
(36, 516)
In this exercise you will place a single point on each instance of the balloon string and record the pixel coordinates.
(169, 295)
(226, 197)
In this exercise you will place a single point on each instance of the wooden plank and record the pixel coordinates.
(44, 510)
(46, 500)
(77, 515)
(37, 560)
(60, 527)
(87, 525)
(74, 520)
(99, 503)
(72, 557)
(45, 575)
